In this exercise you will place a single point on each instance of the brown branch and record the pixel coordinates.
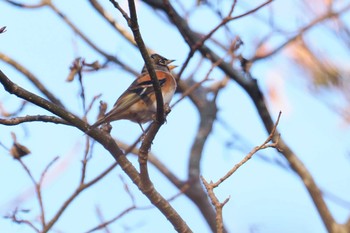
(133, 24)
(216, 203)
(129, 37)
(251, 87)
(347, 225)
(156, 163)
(85, 160)
(210, 185)
(192, 38)
(146, 144)
(196, 192)
(207, 110)
(15, 219)
(124, 212)
(37, 186)
(105, 140)
(33, 6)
(189, 91)
(41, 118)
(146, 183)
(39, 193)
(251, 153)
(106, 223)
(133, 206)
(225, 20)
(102, 219)
(94, 99)
(196, 85)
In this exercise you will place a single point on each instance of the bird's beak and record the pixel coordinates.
(169, 61)
(172, 67)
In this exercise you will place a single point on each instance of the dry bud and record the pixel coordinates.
(18, 151)
(3, 29)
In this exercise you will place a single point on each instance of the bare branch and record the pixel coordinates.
(251, 153)
(41, 118)
(210, 186)
(106, 223)
(37, 186)
(224, 21)
(33, 6)
(17, 220)
(216, 203)
(147, 185)
(251, 87)
(108, 142)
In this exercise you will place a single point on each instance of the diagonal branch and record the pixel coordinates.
(107, 142)
(251, 153)
(210, 185)
(251, 87)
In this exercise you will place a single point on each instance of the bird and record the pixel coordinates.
(138, 103)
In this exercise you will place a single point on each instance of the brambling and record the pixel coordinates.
(138, 103)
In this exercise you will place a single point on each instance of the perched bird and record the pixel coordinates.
(138, 103)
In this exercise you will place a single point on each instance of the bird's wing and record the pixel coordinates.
(135, 92)
(145, 87)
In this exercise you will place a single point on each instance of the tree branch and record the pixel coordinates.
(41, 118)
(107, 142)
(160, 118)
(251, 87)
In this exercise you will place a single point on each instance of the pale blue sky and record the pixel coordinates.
(264, 196)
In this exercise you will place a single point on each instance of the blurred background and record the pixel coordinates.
(298, 52)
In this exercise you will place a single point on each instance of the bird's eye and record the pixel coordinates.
(162, 62)
(159, 60)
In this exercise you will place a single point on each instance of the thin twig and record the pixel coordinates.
(37, 186)
(251, 153)
(106, 223)
(210, 185)
(302, 31)
(224, 21)
(15, 219)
